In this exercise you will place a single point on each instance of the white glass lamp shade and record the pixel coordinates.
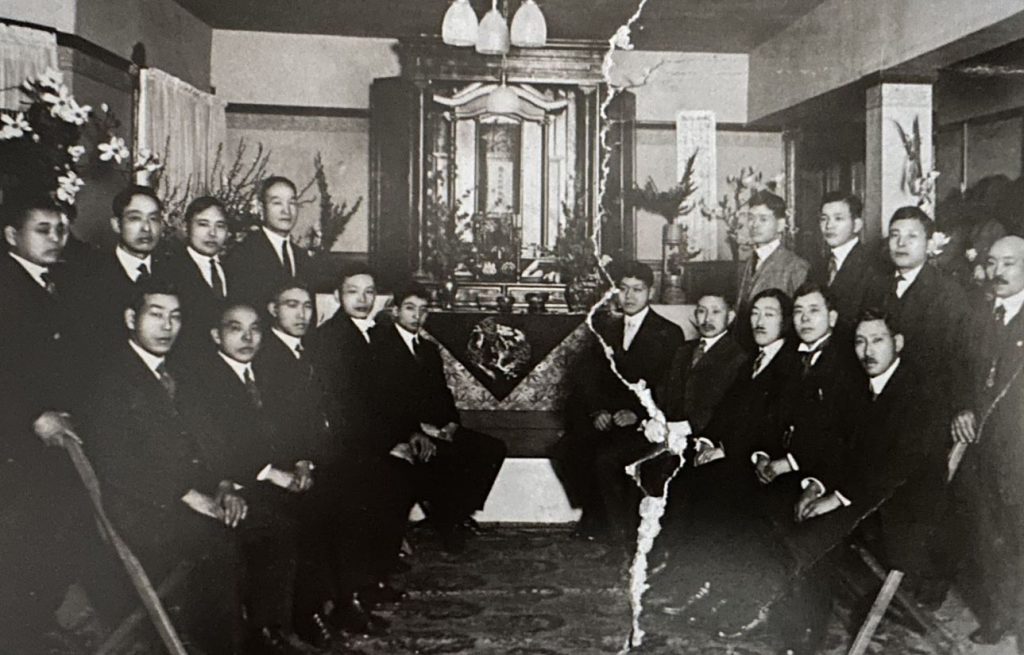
(502, 100)
(492, 37)
(529, 29)
(460, 25)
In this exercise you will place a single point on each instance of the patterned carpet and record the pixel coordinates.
(536, 591)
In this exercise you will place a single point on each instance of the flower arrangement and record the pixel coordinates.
(445, 250)
(914, 180)
(671, 204)
(731, 210)
(41, 145)
(334, 218)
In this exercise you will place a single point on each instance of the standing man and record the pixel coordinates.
(846, 268)
(199, 274)
(48, 538)
(105, 285)
(771, 264)
(991, 479)
(455, 467)
(266, 258)
(703, 369)
(603, 436)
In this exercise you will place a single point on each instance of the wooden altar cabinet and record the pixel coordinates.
(438, 138)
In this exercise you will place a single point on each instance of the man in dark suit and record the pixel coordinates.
(147, 451)
(847, 268)
(199, 275)
(48, 537)
(454, 467)
(266, 258)
(605, 414)
(771, 264)
(246, 447)
(813, 435)
(102, 285)
(702, 370)
(373, 484)
(990, 481)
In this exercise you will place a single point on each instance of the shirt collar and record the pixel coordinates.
(879, 381)
(1012, 304)
(152, 362)
(32, 268)
(636, 319)
(709, 342)
(812, 347)
(407, 337)
(843, 251)
(770, 351)
(238, 367)
(765, 251)
(288, 340)
(364, 325)
(911, 275)
(130, 263)
(201, 260)
(275, 239)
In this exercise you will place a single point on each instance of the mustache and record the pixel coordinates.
(999, 279)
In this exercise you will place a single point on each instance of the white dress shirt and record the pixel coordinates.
(770, 351)
(408, 337)
(290, 342)
(239, 368)
(152, 362)
(908, 279)
(1012, 305)
(277, 241)
(709, 342)
(879, 381)
(130, 263)
(364, 325)
(765, 251)
(813, 348)
(203, 262)
(840, 253)
(632, 326)
(35, 270)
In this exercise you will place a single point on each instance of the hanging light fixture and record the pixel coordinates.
(529, 29)
(460, 25)
(492, 37)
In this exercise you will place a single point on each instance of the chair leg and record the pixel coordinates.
(882, 600)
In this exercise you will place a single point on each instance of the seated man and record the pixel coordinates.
(454, 467)
(246, 447)
(147, 452)
(703, 369)
(604, 415)
(813, 435)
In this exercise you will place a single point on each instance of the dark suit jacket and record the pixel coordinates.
(36, 374)
(344, 363)
(997, 354)
(201, 307)
(412, 391)
(783, 269)
(648, 358)
(850, 285)
(693, 392)
(243, 438)
(932, 317)
(255, 271)
(144, 446)
(815, 406)
(293, 398)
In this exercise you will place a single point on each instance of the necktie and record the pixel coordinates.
(416, 351)
(299, 351)
(215, 280)
(48, 284)
(628, 334)
(166, 380)
(251, 389)
(286, 260)
(754, 261)
(897, 281)
(143, 273)
(833, 268)
(999, 315)
(698, 352)
(807, 357)
(758, 361)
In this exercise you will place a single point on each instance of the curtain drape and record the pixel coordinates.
(181, 124)
(24, 53)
